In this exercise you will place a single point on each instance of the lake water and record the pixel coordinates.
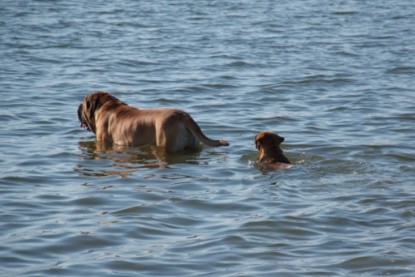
(335, 78)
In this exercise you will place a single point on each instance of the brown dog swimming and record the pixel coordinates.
(270, 153)
(113, 121)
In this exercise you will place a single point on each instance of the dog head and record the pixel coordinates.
(90, 105)
(267, 139)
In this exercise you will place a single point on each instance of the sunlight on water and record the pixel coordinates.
(334, 79)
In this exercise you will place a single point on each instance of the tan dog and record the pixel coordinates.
(270, 153)
(113, 121)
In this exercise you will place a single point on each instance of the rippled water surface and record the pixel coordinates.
(335, 78)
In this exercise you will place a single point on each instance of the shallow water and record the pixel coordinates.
(335, 79)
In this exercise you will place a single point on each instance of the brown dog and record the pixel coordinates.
(270, 153)
(113, 121)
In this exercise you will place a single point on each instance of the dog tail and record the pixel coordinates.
(197, 132)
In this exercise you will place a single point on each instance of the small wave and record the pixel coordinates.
(318, 78)
(240, 64)
(344, 12)
(401, 70)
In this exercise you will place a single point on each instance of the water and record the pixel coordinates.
(335, 78)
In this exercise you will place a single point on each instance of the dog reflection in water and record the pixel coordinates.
(270, 154)
(124, 161)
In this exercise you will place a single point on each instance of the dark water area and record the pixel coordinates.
(335, 78)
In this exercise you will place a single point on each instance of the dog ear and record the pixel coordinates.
(80, 112)
(277, 138)
(91, 105)
(258, 143)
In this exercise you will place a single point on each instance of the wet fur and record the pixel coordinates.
(113, 121)
(270, 153)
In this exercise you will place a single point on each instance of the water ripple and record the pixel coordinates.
(335, 82)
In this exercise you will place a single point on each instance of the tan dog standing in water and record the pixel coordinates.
(270, 153)
(113, 121)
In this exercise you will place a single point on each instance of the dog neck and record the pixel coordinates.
(109, 105)
(273, 154)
